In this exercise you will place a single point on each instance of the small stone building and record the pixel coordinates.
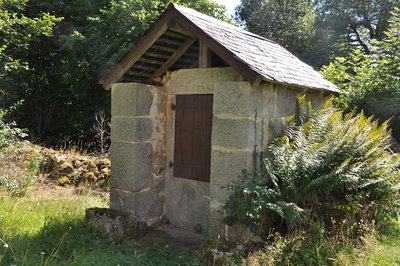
(190, 104)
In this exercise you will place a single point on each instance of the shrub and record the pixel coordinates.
(327, 165)
(9, 133)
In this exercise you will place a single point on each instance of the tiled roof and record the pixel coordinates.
(252, 56)
(267, 58)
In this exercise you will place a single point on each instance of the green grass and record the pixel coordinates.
(50, 230)
(385, 250)
(47, 228)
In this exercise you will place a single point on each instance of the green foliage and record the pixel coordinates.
(356, 22)
(317, 245)
(18, 31)
(289, 23)
(317, 30)
(371, 82)
(61, 90)
(9, 133)
(326, 165)
(117, 26)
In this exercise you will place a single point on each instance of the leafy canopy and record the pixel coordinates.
(17, 31)
(56, 66)
(289, 23)
(371, 81)
(328, 159)
(317, 30)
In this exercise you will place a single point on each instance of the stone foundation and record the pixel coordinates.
(115, 225)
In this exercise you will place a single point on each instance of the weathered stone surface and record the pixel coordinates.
(116, 225)
(160, 99)
(286, 101)
(131, 99)
(73, 168)
(123, 97)
(160, 164)
(199, 80)
(239, 133)
(143, 129)
(145, 205)
(144, 100)
(238, 101)
(143, 121)
(131, 165)
(122, 128)
(186, 202)
(226, 166)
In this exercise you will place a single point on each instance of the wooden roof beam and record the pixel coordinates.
(217, 48)
(204, 55)
(174, 26)
(173, 58)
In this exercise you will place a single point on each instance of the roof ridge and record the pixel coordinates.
(192, 12)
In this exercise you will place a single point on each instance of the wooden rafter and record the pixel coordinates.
(178, 53)
(151, 61)
(174, 26)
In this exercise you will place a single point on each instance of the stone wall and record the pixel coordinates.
(245, 120)
(138, 150)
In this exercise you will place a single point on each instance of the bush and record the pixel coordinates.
(9, 133)
(329, 165)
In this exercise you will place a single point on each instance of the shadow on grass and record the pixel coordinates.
(390, 232)
(74, 243)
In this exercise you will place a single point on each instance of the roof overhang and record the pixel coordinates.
(172, 21)
(181, 34)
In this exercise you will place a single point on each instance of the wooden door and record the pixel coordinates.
(192, 149)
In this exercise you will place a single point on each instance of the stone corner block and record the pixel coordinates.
(116, 225)
(131, 165)
(226, 167)
(126, 128)
(131, 99)
(239, 133)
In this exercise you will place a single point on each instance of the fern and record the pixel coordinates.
(325, 157)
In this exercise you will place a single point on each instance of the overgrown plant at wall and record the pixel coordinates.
(326, 165)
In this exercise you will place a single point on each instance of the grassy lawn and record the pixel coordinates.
(47, 228)
(385, 250)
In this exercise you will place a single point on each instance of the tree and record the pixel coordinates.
(61, 89)
(18, 32)
(318, 30)
(289, 23)
(357, 21)
(371, 80)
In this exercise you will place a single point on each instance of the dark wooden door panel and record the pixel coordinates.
(192, 149)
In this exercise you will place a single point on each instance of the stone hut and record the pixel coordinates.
(190, 104)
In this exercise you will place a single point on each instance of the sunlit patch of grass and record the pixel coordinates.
(47, 228)
(383, 250)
